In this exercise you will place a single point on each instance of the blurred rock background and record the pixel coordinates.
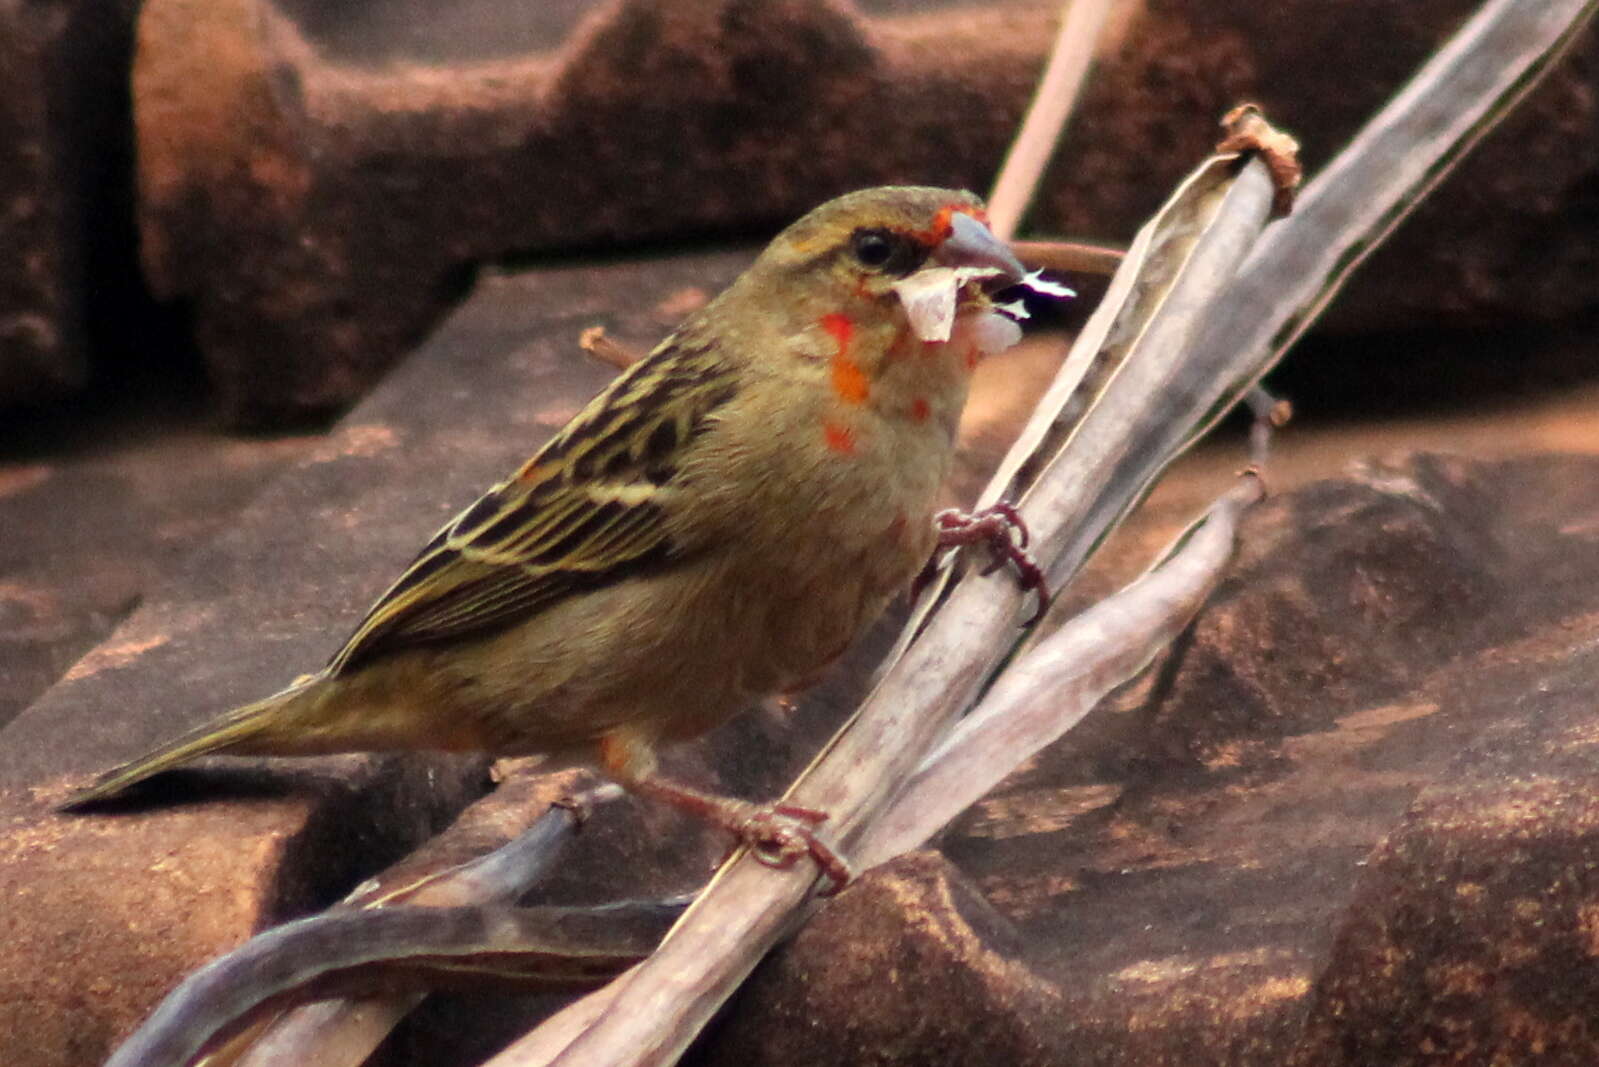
(228, 220)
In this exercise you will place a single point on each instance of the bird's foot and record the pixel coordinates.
(1001, 529)
(780, 835)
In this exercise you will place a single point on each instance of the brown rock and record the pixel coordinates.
(64, 203)
(105, 912)
(318, 183)
(320, 211)
(1473, 934)
(909, 965)
(1395, 674)
(1508, 237)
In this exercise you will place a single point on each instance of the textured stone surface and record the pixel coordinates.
(1350, 822)
(321, 213)
(65, 209)
(1474, 933)
(95, 902)
(318, 179)
(99, 505)
(911, 964)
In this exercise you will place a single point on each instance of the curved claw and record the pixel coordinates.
(780, 835)
(1001, 528)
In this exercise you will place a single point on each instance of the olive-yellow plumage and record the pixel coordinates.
(716, 526)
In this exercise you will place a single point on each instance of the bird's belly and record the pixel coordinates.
(676, 653)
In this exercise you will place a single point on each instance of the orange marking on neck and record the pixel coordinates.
(849, 381)
(840, 439)
(920, 409)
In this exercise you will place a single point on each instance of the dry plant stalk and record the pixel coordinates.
(1059, 680)
(1076, 257)
(1081, 24)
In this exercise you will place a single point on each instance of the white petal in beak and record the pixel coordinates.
(970, 253)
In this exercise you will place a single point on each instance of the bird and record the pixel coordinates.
(715, 527)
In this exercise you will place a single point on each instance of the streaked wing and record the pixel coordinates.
(585, 511)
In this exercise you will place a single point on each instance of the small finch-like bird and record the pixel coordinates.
(716, 526)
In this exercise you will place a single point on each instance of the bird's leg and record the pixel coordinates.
(777, 835)
(1001, 529)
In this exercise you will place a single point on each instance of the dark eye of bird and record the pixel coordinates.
(886, 250)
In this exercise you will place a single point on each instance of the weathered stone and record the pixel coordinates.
(64, 187)
(1474, 932)
(909, 965)
(112, 903)
(90, 530)
(317, 178)
(320, 212)
(1394, 674)
(1509, 237)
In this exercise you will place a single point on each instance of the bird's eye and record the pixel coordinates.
(874, 248)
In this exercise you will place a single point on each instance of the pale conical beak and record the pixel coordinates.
(971, 244)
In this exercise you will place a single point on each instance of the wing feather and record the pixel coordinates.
(585, 511)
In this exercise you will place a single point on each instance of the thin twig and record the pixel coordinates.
(1081, 23)
(1076, 256)
(599, 344)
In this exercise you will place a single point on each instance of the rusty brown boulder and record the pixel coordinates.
(65, 195)
(319, 185)
(1351, 820)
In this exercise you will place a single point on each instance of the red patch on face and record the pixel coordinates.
(840, 439)
(942, 226)
(849, 381)
(839, 327)
(973, 357)
(920, 409)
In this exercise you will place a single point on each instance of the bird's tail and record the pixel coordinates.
(251, 728)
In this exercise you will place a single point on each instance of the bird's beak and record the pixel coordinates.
(971, 244)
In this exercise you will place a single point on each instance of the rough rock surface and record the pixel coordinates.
(65, 173)
(105, 912)
(318, 179)
(1350, 822)
(99, 505)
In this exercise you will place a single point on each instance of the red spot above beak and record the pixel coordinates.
(840, 439)
(941, 226)
(920, 409)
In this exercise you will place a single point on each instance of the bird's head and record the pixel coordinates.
(927, 250)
